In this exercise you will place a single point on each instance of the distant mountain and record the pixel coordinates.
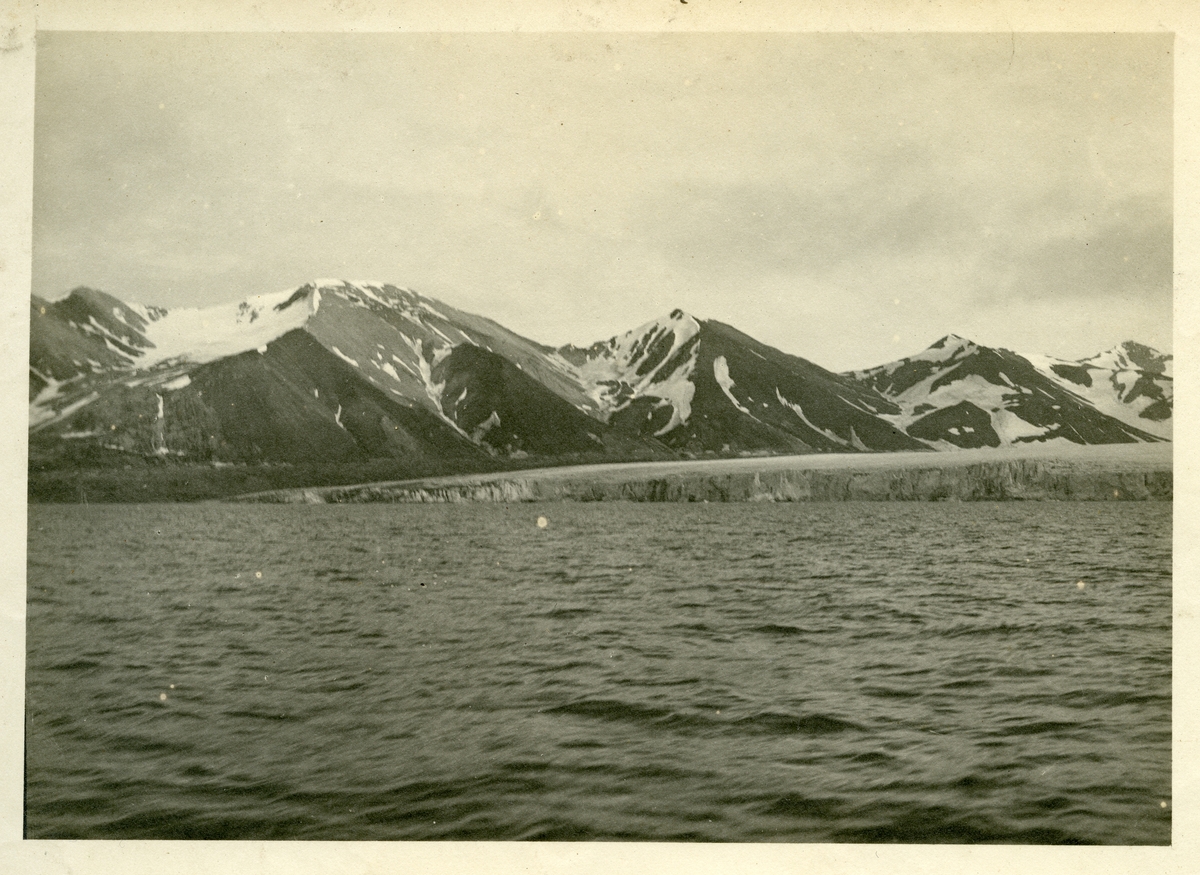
(331, 371)
(334, 371)
(707, 387)
(1131, 382)
(959, 394)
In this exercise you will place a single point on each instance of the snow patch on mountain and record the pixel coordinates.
(159, 441)
(942, 351)
(343, 356)
(950, 347)
(404, 365)
(833, 436)
(477, 434)
(115, 342)
(644, 362)
(432, 388)
(1011, 428)
(202, 335)
(425, 362)
(403, 302)
(1110, 381)
(920, 399)
(721, 375)
(42, 413)
(1132, 356)
(678, 390)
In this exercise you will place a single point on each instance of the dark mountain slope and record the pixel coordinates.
(335, 373)
(371, 322)
(296, 403)
(705, 387)
(826, 411)
(102, 316)
(59, 351)
(962, 394)
(492, 399)
(1130, 382)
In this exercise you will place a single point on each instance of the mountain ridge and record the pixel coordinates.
(334, 371)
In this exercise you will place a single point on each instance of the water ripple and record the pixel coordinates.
(845, 673)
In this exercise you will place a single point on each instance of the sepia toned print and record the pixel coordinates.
(736, 437)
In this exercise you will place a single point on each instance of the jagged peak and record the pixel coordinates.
(1141, 354)
(675, 317)
(337, 283)
(945, 349)
(677, 320)
(369, 287)
(1135, 346)
(681, 323)
(1131, 355)
(87, 293)
(642, 349)
(369, 293)
(953, 341)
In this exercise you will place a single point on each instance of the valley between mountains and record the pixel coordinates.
(337, 382)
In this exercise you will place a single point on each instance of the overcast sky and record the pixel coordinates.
(846, 198)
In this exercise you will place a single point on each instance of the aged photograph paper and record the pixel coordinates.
(577, 436)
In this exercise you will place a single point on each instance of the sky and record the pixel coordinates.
(847, 198)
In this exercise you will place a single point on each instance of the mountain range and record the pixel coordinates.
(341, 372)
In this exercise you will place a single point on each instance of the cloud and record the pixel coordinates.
(571, 184)
(1122, 253)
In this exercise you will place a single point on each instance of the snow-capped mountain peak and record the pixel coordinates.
(199, 335)
(950, 340)
(645, 349)
(654, 360)
(1132, 356)
(334, 370)
(1131, 382)
(957, 393)
(947, 348)
(131, 335)
(372, 294)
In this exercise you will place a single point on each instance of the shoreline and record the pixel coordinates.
(1115, 472)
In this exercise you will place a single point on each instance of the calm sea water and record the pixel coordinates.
(823, 672)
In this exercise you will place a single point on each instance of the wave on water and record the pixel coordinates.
(868, 673)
